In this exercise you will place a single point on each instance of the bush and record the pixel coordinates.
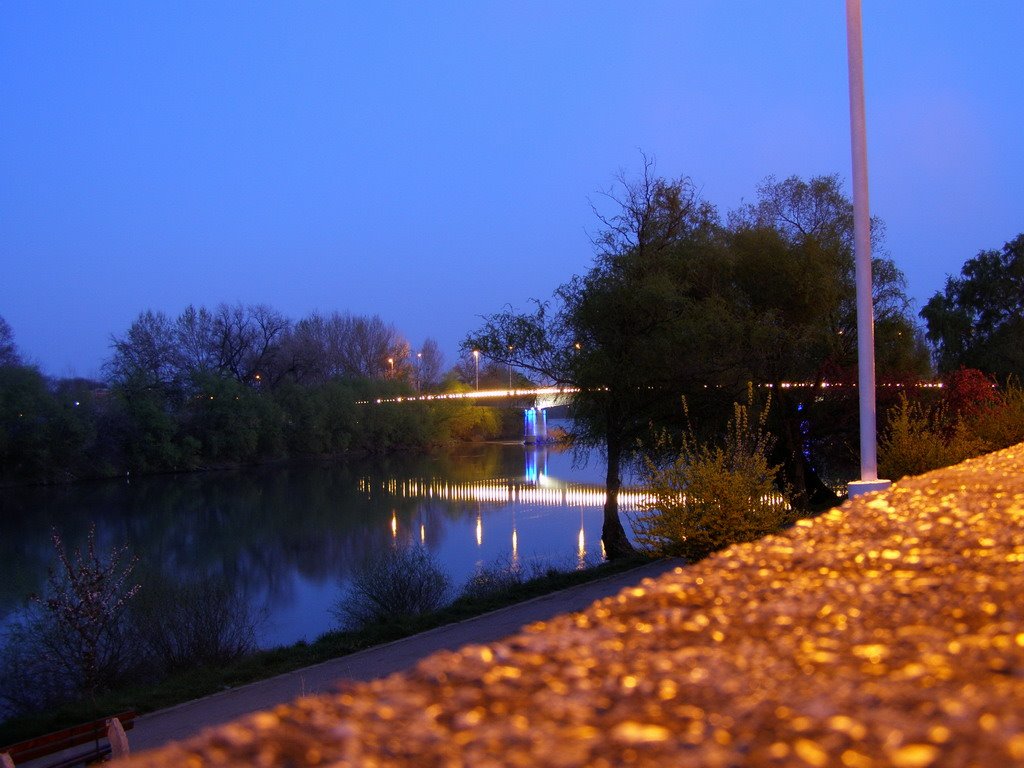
(201, 623)
(917, 439)
(496, 579)
(713, 495)
(504, 577)
(74, 641)
(399, 584)
(1001, 424)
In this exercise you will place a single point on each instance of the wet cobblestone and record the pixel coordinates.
(887, 632)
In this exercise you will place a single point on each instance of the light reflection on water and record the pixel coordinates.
(288, 538)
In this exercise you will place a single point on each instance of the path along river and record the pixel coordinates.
(289, 538)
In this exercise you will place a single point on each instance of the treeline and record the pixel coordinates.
(686, 304)
(232, 385)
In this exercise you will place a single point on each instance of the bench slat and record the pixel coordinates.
(76, 735)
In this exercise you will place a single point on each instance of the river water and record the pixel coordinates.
(288, 538)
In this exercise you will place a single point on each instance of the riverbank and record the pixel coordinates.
(163, 726)
(888, 631)
(333, 646)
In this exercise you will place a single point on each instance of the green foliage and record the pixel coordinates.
(713, 495)
(26, 409)
(978, 320)
(1001, 423)
(918, 439)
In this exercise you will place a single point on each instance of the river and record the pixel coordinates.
(288, 538)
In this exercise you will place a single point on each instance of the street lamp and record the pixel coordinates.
(419, 370)
(476, 359)
(509, 367)
(862, 249)
(391, 362)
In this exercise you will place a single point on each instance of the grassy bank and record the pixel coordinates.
(203, 681)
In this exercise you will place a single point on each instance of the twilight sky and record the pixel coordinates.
(431, 162)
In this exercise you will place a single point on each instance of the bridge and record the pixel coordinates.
(535, 425)
(535, 421)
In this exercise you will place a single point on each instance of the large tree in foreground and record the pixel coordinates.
(677, 305)
(619, 332)
(978, 321)
(792, 267)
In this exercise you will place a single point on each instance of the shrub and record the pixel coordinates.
(713, 495)
(1001, 424)
(967, 392)
(399, 584)
(494, 580)
(917, 440)
(503, 577)
(74, 641)
(200, 623)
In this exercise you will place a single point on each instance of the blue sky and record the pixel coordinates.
(434, 162)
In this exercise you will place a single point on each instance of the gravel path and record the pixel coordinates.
(887, 632)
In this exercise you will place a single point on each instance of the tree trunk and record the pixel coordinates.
(616, 545)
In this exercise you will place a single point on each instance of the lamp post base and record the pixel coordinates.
(860, 487)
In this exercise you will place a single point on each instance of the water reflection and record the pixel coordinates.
(289, 537)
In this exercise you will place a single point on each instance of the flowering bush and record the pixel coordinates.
(917, 439)
(713, 495)
(74, 641)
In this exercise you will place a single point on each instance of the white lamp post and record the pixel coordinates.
(862, 244)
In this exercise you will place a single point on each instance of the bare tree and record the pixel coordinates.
(429, 364)
(8, 350)
(146, 356)
(196, 338)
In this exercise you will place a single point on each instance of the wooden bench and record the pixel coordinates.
(105, 738)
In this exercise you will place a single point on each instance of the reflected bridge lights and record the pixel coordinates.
(545, 491)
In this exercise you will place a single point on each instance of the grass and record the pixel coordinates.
(203, 681)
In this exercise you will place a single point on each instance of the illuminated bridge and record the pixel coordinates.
(535, 425)
(535, 420)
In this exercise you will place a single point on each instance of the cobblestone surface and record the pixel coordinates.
(889, 631)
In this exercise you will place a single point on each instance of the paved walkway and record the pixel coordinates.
(179, 722)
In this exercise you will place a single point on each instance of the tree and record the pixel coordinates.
(146, 356)
(326, 347)
(8, 350)
(793, 271)
(620, 332)
(26, 412)
(677, 304)
(429, 365)
(978, 320)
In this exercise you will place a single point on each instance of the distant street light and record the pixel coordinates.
(476, 358)
(391, 362)
(510, 367)
(419, 369)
